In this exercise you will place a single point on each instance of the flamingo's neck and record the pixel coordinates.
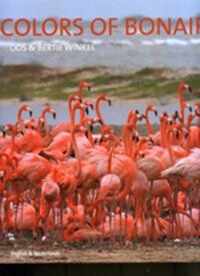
(82, 115)
(76, 150)
(98, 112)
(70, 107)
(127, 138)
(181, 105)
(148, 123)
(80, 91)
(129, 116)
(162, 132)
(110, 159)
(140, 146)
(19, 114)
(44, 112)
(90, 137)
(13, 141)
(43, 118)
(169, 146)
(191, 117)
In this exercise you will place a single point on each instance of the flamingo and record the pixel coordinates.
(25, 221)
(22, 109)
(193, 131)
(181, 89)
(90, 187)
(50, 195)
(150, 108)
(187, 168)
(76, 97)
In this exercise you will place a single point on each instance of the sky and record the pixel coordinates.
(93, 8)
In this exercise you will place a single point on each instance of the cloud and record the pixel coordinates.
(91, 8)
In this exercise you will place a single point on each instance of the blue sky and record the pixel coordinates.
(92, 8)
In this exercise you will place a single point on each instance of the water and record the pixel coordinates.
(119, 51)
(116, 114)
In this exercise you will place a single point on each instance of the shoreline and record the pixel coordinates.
(117, 101)
(30, 82)
(45, 100)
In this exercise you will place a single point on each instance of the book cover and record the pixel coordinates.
(100, 137)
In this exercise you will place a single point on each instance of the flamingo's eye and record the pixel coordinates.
(1, 174)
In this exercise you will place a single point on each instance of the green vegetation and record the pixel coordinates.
(34, 81)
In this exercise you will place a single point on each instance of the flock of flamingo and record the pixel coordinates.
(78, 184)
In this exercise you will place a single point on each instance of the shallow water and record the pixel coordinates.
(116, 114)
(132, 52)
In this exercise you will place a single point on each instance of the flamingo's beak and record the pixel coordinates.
(177, 134)
(151, 140)
(176, 115)
(140, 116)
(30, 113)
(77, 98)
(1, 175)
(197, 110)
(89, 86)
(101, 139)
(86, 133)
(87, 110)
(170, 122)
(135, 138)
(91, 128)
(190, 108)
(188, 87)
(100, 121)
(186, 134)
(4, 131)
(54, 115)
(42, 123)
(109, 102)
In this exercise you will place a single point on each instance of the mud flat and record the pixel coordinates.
(36, 252)
(37, 85)
(27, 82)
